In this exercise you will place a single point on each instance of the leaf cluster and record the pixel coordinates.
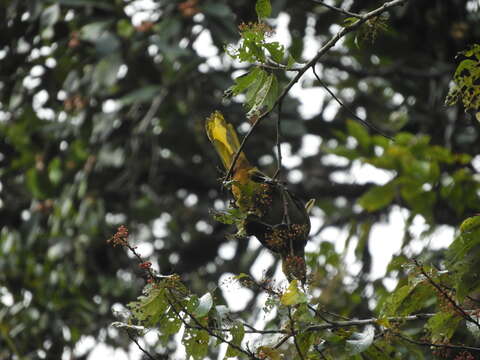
(423, 174)
(466, 88)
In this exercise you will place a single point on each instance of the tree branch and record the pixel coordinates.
(429, 344)
(355, 116)
(334, 8)
(361, 322)
(147, 354)
(323, 50)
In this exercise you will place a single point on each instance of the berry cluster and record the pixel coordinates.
(189, 8)
(442, 353)
(256, 27)
(74, 103)
(120, 237)
(145, 26)
(262, 201)
(465, 355)
(295, 265)
(145, 265)
(279, 238)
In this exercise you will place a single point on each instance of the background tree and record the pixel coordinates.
(102, 113)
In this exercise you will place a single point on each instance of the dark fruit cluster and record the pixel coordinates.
(262, 201)
(279, 238)
(295, 265)
(465, 355)
(120, 237)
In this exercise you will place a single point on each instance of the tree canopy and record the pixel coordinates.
(102, 122)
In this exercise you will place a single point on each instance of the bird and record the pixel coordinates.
(269, 210)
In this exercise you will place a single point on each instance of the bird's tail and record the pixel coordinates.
(225, 140)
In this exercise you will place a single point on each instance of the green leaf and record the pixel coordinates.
(125, 28)
(276, 50)
(359, 132)
(38, 184)
(230, 216)
(196, 342)
(467, 81)
(463, 258)
(412, 192)
(378, 197)
(293, 295)
(243, 82)
(395, 300)
(442, 326)
(470, 224)
(304, 314)
(265, 96)
(349, 21)
(204, 305)
(408, 299)
(149, 308)
(305, 340)
(263, 8)
(171, 324)
(421, 296)
(272, 93)
(250, 96)
(252, 51)
(55, 171)
(290, 61)
(238, 332)
(343, 151)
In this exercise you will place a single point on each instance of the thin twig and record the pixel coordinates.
(343, 11)
(361, 322)
(256, 331)
(147, 354)
(446, 346)
(355, 116)
(282, 341)
(317, 312)
(323, 50)
(398, 68)
(272, 65)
